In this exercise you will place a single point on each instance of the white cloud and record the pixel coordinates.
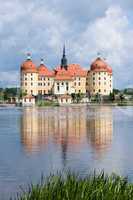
(9, 79)
(109, 35)
(38, 27)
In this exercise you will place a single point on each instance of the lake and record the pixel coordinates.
(35, 141)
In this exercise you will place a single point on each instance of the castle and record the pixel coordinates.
(66, 78)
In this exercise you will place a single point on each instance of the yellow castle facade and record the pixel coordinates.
(66, 78)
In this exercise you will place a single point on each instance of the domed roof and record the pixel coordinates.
(110, 70)
(28, 65)
(43, 70)
(99, 64)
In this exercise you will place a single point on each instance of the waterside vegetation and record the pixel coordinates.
(73, 187)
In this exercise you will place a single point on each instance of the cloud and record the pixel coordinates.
(86, 27)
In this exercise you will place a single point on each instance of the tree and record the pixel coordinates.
(116, 91)
(122, 97)
(22, 93)
(112, 96)
(73, 95)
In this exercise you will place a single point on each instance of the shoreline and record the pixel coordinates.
(72, 105)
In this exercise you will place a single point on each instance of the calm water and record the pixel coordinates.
(35, 141)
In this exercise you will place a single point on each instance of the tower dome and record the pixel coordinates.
(43, 70)
(99, 65)
(28, 65)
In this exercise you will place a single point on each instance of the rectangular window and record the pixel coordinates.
(58, 88)
(79, 83)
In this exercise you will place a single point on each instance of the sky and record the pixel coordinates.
(85, 26)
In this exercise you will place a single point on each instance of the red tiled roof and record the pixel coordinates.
(72, 71)
(62, 74)
(43, 70)
(100, 65)
(28, 66)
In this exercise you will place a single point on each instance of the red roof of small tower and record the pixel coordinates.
(44, 71)
(28, 65)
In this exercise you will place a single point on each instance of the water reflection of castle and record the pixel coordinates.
(68, 127)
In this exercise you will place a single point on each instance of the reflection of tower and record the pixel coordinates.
(36, 127)
(100, 128)
(65, 127)
(70, 131)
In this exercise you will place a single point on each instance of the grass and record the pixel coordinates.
(46, 103)
(73, 187)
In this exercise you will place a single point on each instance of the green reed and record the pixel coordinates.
(73, 187)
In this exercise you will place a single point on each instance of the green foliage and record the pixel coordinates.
(112, 96)
(7, 93)
(77, 97)
(116, 91)
(128, 91)
(122, 97)
(42, 103)
(72, 187)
